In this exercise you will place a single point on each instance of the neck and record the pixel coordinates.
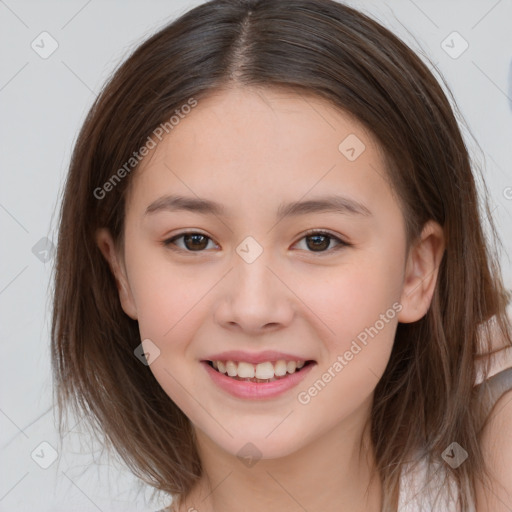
(330, 473)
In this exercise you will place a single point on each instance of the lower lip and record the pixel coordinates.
(255, 390)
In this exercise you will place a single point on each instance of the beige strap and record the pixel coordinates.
(490, 391)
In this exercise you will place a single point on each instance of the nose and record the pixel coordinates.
(254, 298)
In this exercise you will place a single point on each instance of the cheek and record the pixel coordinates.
(349, 298)
(166, 296)
(360, 305)
(170, 310)
(347, 377)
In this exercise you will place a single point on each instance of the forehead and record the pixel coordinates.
(260, 145)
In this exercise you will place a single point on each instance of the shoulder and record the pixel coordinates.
(496, 437)
(495, 494)
(500, 356)
(496, 443)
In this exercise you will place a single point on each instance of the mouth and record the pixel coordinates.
(261, 373)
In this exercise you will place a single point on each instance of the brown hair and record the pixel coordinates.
(424, 399)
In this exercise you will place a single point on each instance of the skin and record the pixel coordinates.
(252, 150)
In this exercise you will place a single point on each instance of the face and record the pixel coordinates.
(256, 281)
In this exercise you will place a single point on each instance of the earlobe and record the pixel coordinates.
(107, 247)
(422, 269)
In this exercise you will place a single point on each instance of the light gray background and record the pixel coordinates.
(43, 103)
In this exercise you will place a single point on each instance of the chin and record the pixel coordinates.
(259, 443)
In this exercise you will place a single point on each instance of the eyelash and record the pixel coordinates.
(341, 243)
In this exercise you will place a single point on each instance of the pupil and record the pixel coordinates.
(321, 246)
(195, 238)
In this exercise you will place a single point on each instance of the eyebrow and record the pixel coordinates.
(331, 203)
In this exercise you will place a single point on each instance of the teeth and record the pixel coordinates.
(245, 370)
(280, 368)
(231, 368)
(263, 371)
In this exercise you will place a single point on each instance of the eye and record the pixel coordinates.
(316, 241)
(319, 241)
(194, 242)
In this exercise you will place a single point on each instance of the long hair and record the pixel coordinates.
(425, 398)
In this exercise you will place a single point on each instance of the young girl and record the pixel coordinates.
(273, 289)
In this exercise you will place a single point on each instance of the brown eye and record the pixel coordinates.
(316, 242)
(193, 242)
(320, 241)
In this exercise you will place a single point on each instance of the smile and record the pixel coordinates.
(267, 371)
(263, 380)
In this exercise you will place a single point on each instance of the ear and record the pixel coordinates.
(421, 273)
(107, 247)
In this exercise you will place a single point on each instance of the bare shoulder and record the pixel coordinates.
(500, 356)
(496, 443)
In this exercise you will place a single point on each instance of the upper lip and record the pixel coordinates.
(255, 357)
